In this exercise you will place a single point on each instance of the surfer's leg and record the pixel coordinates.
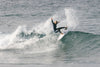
(63, 28)
(59, 30)
(56, 31)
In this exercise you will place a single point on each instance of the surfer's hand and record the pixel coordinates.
(51, 18)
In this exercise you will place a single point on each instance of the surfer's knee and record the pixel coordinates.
(56, 31)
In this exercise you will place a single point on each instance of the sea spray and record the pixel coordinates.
(37, 43)
(10, 39)
(72, 20)
(45, 27)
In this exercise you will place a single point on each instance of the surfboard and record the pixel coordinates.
(62, 35)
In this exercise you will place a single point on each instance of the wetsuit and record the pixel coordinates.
(54, 26)
(56, 30)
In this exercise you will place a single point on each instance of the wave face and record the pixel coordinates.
(81, 43)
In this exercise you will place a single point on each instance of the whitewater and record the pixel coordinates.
(27, 36)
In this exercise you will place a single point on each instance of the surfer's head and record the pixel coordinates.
(56, 22)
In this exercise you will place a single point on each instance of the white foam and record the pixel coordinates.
(72, 20)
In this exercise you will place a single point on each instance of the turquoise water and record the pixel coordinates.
(27, 37)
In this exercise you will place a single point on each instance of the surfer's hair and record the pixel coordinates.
(57, 21)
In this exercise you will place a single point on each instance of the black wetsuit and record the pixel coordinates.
(54, 26)
(56, 30)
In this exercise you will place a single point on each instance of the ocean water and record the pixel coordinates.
(27, 38)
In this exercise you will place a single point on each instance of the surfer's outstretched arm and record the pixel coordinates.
(52, 20)
(54, 25)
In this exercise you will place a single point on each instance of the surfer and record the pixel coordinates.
(56, 30)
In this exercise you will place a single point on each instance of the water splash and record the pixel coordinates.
(72, 20)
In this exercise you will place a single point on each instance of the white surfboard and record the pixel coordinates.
(62, 35)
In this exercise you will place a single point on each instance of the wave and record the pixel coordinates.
(11, 15)
(30, 41)
(41, 38)
(81, 43)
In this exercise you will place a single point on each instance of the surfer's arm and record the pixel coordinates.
(52, 20)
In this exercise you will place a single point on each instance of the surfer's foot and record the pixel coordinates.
(66, 28)
(61, 33)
